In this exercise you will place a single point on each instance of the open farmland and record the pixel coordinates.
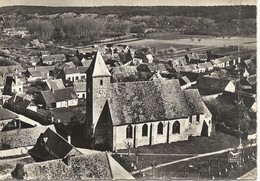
(180, 44)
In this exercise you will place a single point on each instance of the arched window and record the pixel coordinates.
(129, 131)
(176, 127)
(160, 128)
(145, 130)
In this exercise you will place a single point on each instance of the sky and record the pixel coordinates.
(125, 2)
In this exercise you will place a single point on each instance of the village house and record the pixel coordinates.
(221, 62)
(55, 84)
(192, 58)
(13, 85)
(203, 57)
(52, 59)
(155, 76)
(203, 67)
(180, 61)
(65, 97)
(80, 89)
(22, 138)
(74, 73)
(209, 85)
(124, 73)
(140, 113)
(187, 68)
(184, 82)
(56, 158)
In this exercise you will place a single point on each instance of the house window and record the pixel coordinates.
(198, 118)
(101, 82)
(20, 90)
(69, 78)
(190, 119)
(83, 95)
(160, 128)
(129, 131)
(176, 127)
(77, 78)
(145, 130)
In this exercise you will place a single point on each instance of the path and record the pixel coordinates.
(190, 158)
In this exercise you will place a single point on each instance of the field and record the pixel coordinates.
(201, 41)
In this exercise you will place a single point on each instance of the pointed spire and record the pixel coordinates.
(98, 67)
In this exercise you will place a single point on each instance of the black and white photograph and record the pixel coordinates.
(125, 90)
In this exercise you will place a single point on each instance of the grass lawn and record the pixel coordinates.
(195, 145)
(199, 168)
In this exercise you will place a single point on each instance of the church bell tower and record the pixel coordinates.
(98, 92)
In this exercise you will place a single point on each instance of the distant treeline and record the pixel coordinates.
(81, 28)
(217, 13)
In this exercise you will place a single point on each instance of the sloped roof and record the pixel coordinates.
(146, 101)
(55, 84)
(86, 63)
(80, 86)
(252, 79)
(98, 67)
(205, 65)
(6, 114)
(48, 97)
(23, 137)
(57, 146)
(184, 80)
(24, 103)
(202, 56)
(83, 167)
(212, 85)
(71, 70)
(155, 75)
(194, 101)
(57, 57)
(124, 69)
(221, 60)
(188, 68)
(65, 94)
(44, 69)
(36, 73)
(2, 81)
(82, 69)
(193, 56)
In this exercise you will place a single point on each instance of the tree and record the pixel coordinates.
(128, 145)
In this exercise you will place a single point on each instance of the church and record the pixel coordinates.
(142, 112)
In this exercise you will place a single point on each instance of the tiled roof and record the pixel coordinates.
(86, 63)
(185, 79)
(188, 68)
(82, 69)
(23, 137)
(48, 97)
(252, 79)
(147, 101)
(80, 86)
(57, 146)
(194, 101)
(83, 167)
(6, 114)
(55, 84)
(220, 60)
(72, 70)
(205, 65)
(36, 73)
(65, 94)
(124, 69)
(203, 56)
(57, 57)
(212, 85)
